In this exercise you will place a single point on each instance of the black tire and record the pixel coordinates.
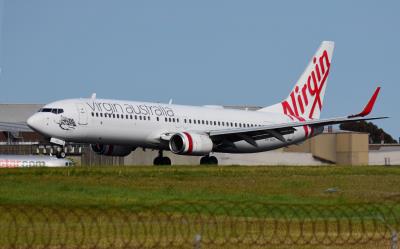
(205, 160)
(61, 154)
(208, 160)
(166, 161)
(213, 160)
(157, 161)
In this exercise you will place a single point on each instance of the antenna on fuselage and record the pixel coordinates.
(93, 96)
(170, 102)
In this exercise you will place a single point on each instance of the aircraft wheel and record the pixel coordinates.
(208, 160)
(157, 161)
(213, 160)
(166, 161)
(61, 154)
(204, 160)
(162, 161)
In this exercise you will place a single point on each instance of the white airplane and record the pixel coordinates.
(116, 127)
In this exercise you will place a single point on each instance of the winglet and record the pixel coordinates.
(368, 108)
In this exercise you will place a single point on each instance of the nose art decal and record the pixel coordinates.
(67, 123)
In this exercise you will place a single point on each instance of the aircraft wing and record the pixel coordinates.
(278, 130)
(14, 127)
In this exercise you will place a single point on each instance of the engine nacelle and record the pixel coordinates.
(112, 150)
(185, 143)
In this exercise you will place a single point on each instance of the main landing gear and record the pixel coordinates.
(208, 160)
(161, 160)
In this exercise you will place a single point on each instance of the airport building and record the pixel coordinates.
(329, 148)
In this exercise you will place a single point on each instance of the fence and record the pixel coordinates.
(216, 224)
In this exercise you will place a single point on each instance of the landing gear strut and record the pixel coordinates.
(60, 152)
(207, 160)
(161, 160)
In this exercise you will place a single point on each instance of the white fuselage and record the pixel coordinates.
(142, 124)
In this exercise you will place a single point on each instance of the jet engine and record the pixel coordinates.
(112, 150)
(185, 143)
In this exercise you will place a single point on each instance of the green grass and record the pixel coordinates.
(51, 206)
(125, 186)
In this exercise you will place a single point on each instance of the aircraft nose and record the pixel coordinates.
(34, 122)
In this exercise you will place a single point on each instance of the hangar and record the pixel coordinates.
(331, 147)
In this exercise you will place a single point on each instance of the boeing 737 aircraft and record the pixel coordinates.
(116, 127)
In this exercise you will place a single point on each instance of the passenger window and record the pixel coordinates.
(177, 120)
(219, 123)
(140, 117)
(54, 111)
(170, 120)
(60, 111)
(92, 114)
(148, 118)
(194, 121)
(190, 121)
(117, 115)
(202, 121)
(158, 119)
(101, 114)
(206, 122)
(97, 114)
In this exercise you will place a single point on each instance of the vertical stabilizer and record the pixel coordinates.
(306, 99)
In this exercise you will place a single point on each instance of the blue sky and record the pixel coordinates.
(199, 52)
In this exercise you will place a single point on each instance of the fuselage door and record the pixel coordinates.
(83, 117)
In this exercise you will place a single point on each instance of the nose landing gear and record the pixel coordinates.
(161, 160)
(60, 154)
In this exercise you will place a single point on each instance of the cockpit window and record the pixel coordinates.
(52, 110)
